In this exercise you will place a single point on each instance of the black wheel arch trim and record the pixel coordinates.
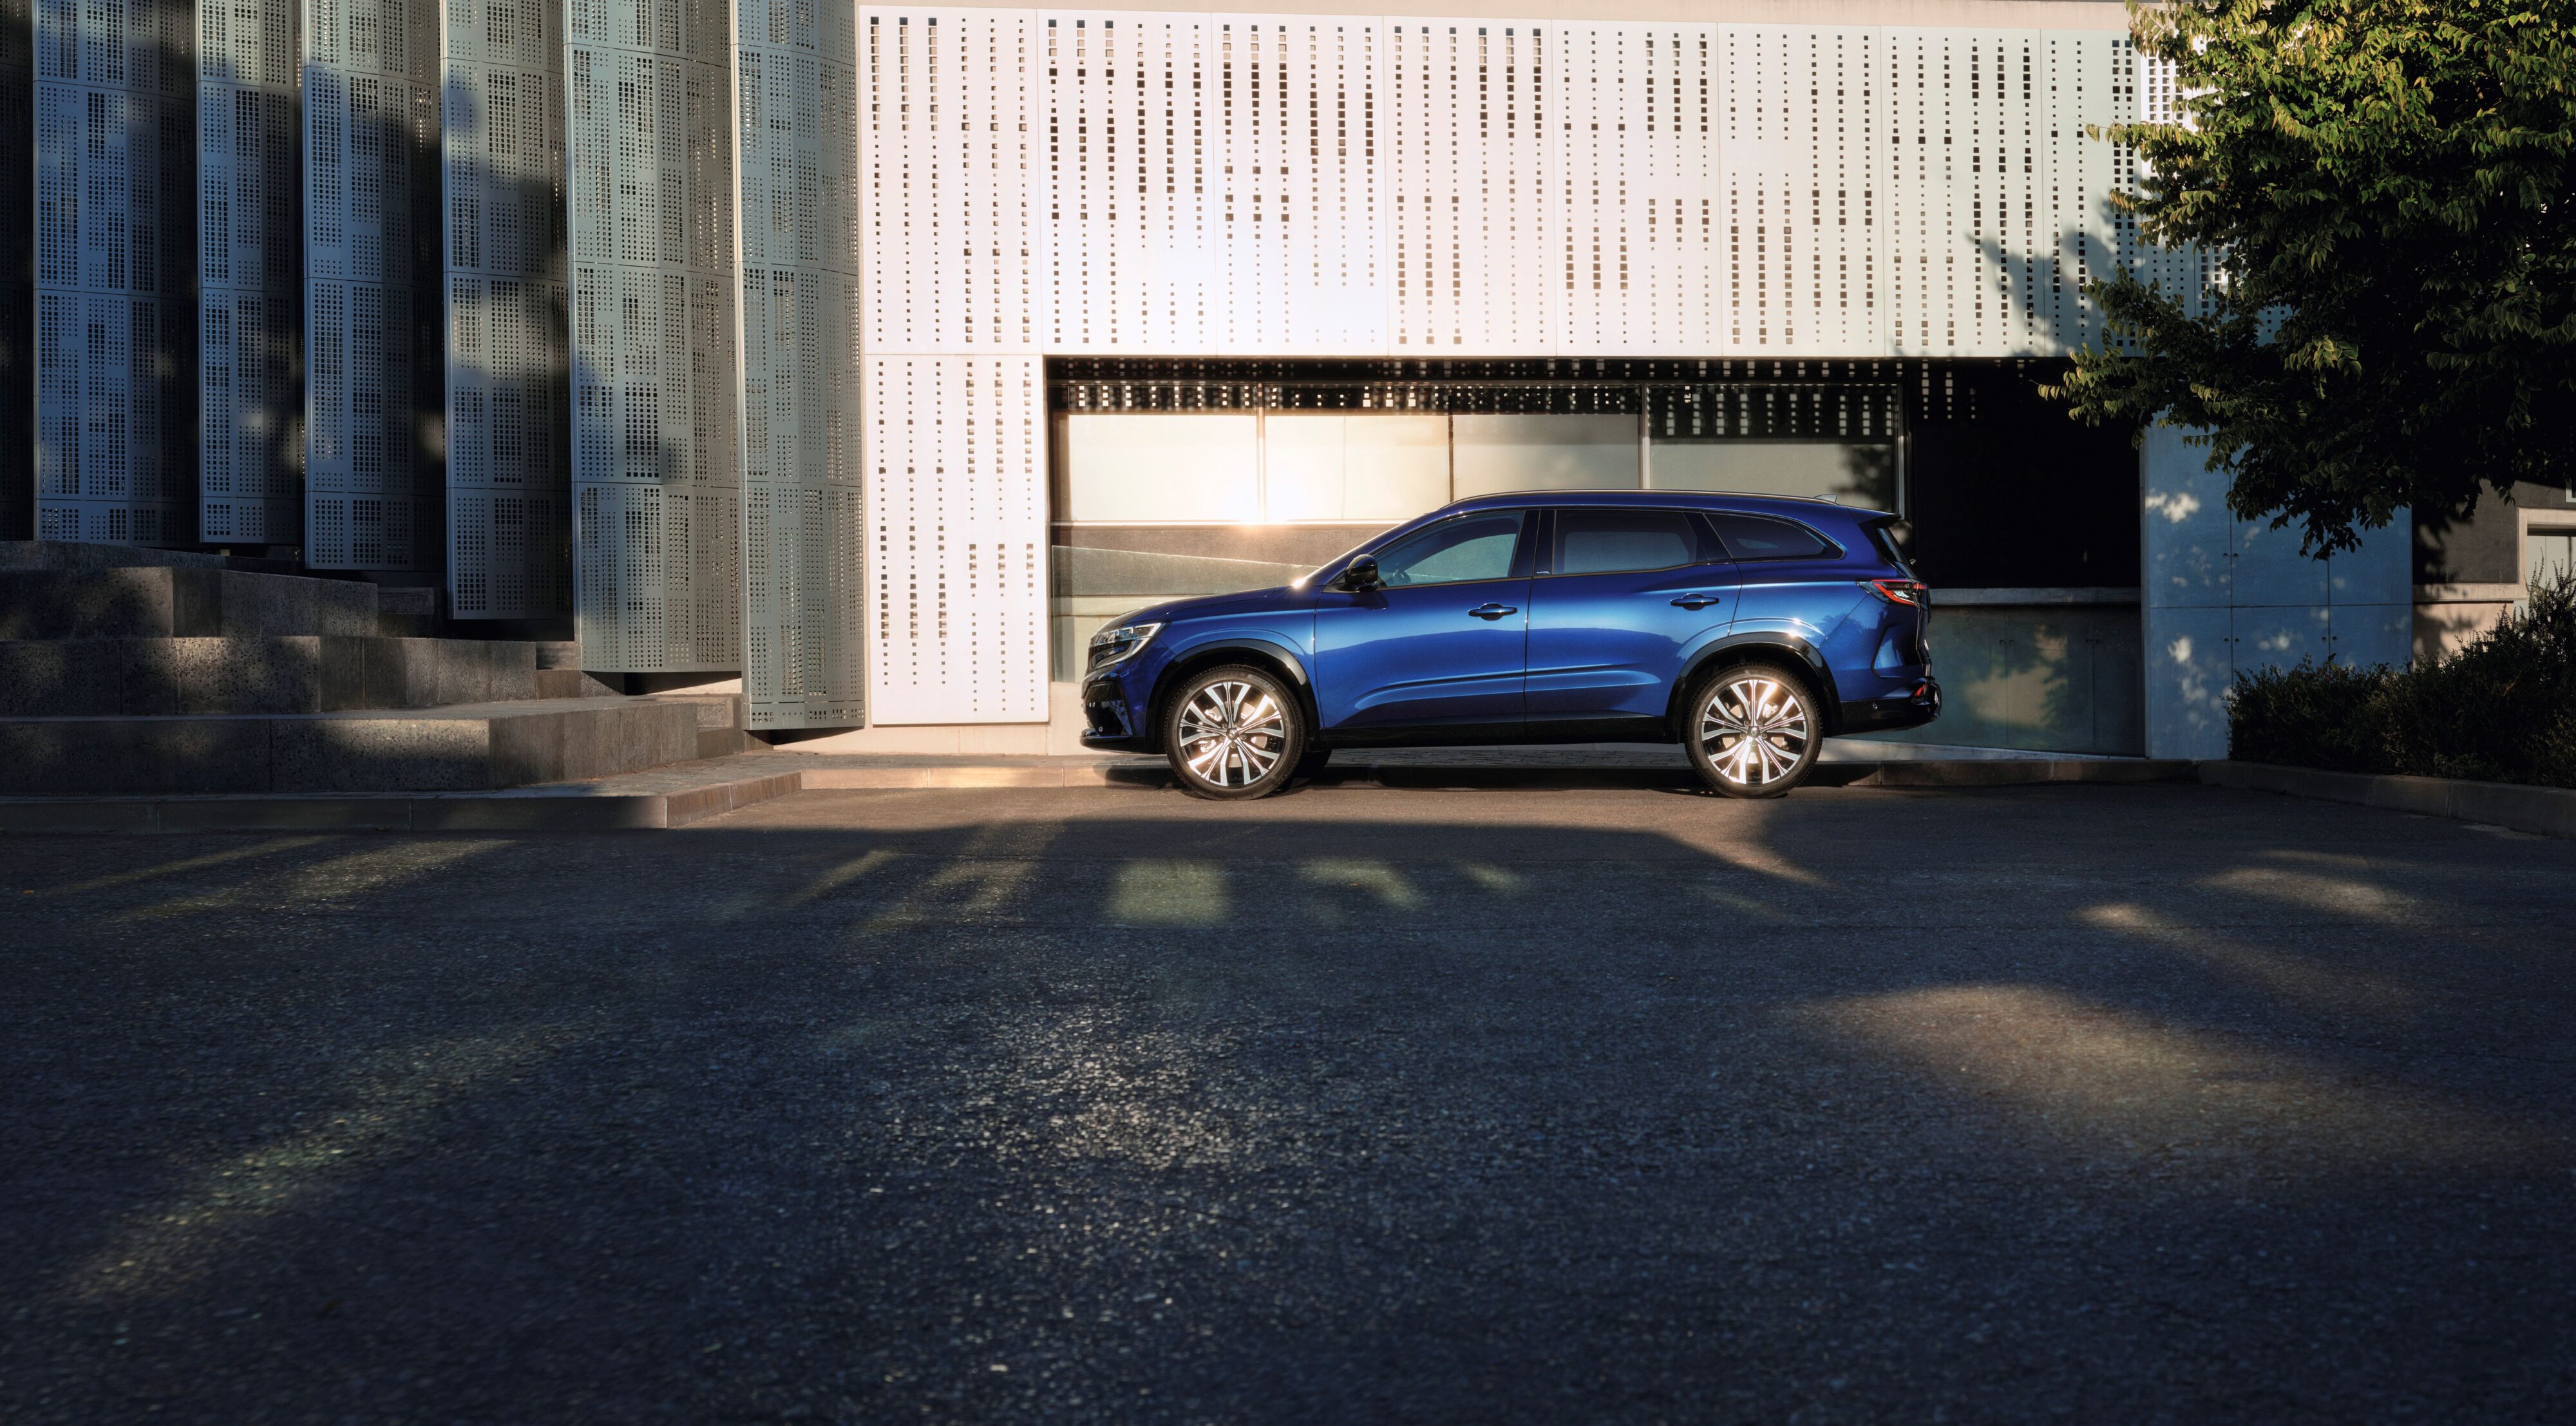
(1735, 648)
(1226, 648)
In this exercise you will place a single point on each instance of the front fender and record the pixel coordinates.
(1203, 647)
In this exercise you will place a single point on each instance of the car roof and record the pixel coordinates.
(1793, 506)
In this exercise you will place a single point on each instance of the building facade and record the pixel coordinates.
(878, 353)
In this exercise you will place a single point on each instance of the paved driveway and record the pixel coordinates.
(2121, 1104)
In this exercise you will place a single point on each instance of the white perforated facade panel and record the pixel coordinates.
(945, 154)
(1635, 177)
(1471, 221)
(1804, 200)
(957, 539)
(655, 385)
(501, 146)
(1210, 183)
(2077, 66)
(115, 238)
(797, 110)
(371, 284)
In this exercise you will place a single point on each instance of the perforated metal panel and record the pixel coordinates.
(115, 232)
(2079, 68)
(250, 293)
(17, 277)
(945, 148)
(797, 114)
(957, 539)
(1471, 218)
(1805, 200)
(654, 380)
(1264, 231)
(501, 149)
(373, 330)
(1636, 178)
(2149, 89)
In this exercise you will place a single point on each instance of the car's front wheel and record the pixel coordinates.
(1754, 731)
(1234, 732)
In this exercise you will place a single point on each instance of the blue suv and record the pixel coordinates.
(1746, 628)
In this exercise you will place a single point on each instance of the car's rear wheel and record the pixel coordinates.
(1234, 732)
(1754, 731)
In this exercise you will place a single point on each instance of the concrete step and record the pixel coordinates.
(407, 611)
(180, 602)
(570, 683)
(74, 555)
(469, 747)
(720, 718)
(153, 677)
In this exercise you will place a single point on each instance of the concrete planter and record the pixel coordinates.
(2548, 811)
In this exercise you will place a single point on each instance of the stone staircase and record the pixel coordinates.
(140, 673)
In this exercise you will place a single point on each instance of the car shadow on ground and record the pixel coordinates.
(1525, 1104)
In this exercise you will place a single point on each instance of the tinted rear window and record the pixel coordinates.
(1607, 541)
(1759, 537)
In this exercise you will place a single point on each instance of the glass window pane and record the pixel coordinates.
(1470, 547)
(1498, 453)
(1606, 541)
(2549, 555)
(1753, 537)
(1862, 475)
(1375, 468)
(1162, 469)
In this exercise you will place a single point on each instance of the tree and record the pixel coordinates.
(2384, 187)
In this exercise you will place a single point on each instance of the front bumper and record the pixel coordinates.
(1910, 710)
(1111, 721)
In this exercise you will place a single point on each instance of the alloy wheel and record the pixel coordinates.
(1232, 734)
(1754, 730)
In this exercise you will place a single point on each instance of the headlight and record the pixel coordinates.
(1119, 643)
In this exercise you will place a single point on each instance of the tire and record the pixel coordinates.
(1233, 732)
(1753, 730)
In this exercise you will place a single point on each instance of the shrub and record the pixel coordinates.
(2503, 709)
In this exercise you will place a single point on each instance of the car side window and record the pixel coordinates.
(1453, 551)
(1759, 537)
(1611, 541)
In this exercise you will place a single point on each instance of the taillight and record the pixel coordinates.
(1909, 592)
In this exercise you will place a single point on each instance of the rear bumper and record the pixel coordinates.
(1880, 715)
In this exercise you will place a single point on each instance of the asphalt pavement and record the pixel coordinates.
(1534, 1104)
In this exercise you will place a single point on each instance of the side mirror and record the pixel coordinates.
(1359, 574)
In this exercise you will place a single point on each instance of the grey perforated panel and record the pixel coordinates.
(654, 457)
(796, 112)
(250, 296)
(115, 228)
(501, 147)
(372, 285)
(17, 277)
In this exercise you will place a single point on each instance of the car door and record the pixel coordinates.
(1441, 641)
(1622, 597)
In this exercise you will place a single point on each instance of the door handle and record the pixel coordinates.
(1493, 611)
(1695, 601)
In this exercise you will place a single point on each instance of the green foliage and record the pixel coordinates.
(2502, 709)
(2388, 190)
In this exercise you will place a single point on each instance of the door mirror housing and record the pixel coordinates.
(1358, 575)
